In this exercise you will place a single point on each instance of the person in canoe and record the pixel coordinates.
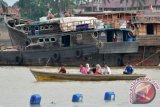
(92, 69)
(98, 70)
(106, 70)
(128, 69)
(88, 68)
(83, 69)
(62, 69)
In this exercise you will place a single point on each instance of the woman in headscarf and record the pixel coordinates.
(98, 70)
(88, 68)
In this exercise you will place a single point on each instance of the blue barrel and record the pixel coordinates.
(109, 96)
(77, 98)
(35, 99)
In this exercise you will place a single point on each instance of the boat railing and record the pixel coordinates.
(78, 25)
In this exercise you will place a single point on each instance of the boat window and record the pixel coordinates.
(53, 39)
(51, 26)
(150, 29)
(32, 30)
(110, 35)
(46, 27)
(36, 32)
(46, 39)
(36, 28)
(79, 37)
(24, 28)
(28, 29)
(19, 28)
(95, 35)
(66, 41)
(42, 27)
(119, 35)
(41, 40)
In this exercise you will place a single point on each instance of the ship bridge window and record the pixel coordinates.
(53, 39)
(118, 35)
(41, 40)
(110, 35)
(27, 28)
(150, 29)
(66, 41)
(46, 40)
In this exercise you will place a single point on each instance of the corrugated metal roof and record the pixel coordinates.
(117, 4)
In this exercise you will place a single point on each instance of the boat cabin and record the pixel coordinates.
(116, 40)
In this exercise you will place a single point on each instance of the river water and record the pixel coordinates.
(17, 84)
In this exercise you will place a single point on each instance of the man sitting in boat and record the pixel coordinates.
(83, 69)
(128, 69)
(62, 69)
(106, 70)
(98, 70)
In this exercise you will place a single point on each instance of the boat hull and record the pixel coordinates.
(51, 76)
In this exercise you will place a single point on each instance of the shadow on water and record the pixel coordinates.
(74, 105)
(36, 105)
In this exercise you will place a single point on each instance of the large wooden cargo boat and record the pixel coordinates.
(69, 40)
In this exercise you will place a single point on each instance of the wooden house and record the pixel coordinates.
(147, 26)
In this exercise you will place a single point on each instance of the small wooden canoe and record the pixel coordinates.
(52, 76)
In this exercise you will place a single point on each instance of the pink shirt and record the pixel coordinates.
(83, 70)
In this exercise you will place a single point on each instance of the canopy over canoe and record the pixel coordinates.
(52, 76)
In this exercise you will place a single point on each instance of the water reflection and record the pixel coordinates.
(35, 105)
(76, 105)
(62, 91)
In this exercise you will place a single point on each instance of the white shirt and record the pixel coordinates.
(106, 70)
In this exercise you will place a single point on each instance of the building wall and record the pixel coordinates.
(142, 30)
(158, 29)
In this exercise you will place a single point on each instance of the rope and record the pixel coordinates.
(148, 57)
(48, 61)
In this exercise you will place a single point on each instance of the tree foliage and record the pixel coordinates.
(34, 9)
(1, 1)
(138, 3)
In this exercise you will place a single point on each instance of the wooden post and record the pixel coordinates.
(144, 51)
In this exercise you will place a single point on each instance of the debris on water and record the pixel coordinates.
(53, 102)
